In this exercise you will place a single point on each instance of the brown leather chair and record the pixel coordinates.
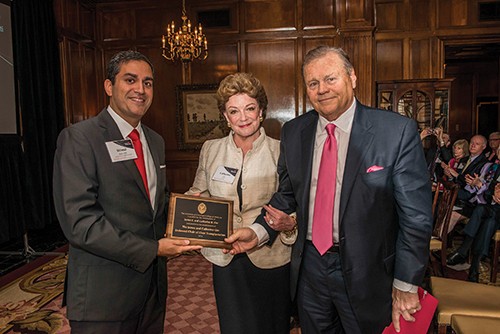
(442, 208)
(458, 297)
(465, 324)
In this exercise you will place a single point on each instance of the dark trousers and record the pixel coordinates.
(322, 298)
(149, 321)
(488, 227)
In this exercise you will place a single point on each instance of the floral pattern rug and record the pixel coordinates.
(22, 301)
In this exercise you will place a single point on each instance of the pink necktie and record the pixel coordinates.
(139, 161)
(322, 229)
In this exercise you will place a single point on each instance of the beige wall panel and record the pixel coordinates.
(389, 63)
(420, 59)
(390, 16)
(452, 13)
(318, 14)
(269, 15)
(118, 24)
(274, 64)
(222, 60)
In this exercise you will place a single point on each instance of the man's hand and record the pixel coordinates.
(172, 247)
(242, 240)
(405, 304)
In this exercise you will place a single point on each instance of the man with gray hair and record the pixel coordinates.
(358, 181)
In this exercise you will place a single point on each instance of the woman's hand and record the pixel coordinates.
(278, 220)
(425, 132)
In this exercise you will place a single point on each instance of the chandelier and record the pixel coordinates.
(184, 44)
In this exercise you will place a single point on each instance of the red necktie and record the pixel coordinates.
(139, 161)
(322, 229)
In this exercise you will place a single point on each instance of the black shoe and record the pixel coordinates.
(473, 277)
(454, 259)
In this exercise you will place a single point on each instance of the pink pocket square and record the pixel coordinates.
(374, 168)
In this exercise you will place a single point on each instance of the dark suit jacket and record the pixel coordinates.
(385, 216)
(474, 168)
(107, 217)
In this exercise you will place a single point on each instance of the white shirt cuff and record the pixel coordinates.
(405, 287)
(261, 232)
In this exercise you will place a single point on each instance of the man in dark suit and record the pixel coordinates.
(381, 212)
(476, 161)
(113, 217)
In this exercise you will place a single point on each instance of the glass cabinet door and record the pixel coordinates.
(441, 108)
(424, 100)
(416, 105)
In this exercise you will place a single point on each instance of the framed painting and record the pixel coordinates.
(198, 118)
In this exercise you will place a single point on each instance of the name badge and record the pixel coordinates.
(225, 174)
(121, 150)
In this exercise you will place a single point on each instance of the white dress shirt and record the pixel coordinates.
(343, 126)
(125, 129)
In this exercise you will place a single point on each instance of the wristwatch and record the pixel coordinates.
(289, 237)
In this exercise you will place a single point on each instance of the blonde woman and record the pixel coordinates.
(251, 289)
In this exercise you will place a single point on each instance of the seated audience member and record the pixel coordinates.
(438, 152)
(460, 156)
(483, 222)
(476, 185)
(473, 166)
(493, 143)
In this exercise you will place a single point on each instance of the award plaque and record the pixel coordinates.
(206, 221)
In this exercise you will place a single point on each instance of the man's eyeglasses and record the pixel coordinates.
(494, 139)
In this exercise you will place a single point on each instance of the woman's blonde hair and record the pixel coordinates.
(463, 144)
(241, 83)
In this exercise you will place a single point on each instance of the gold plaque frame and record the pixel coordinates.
(205, 221)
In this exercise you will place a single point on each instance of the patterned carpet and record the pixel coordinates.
(191, 302)
(31, 303)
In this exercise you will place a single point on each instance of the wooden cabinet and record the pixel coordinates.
(425, 100)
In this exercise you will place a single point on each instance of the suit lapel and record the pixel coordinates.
(359, 143)
(112, 132)
(308, 135)
(156, 161)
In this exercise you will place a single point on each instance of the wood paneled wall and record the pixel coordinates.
(405, 40)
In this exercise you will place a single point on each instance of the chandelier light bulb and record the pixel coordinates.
(184, 45)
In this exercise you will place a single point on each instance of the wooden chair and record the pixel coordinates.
(494, 258)
(442, 209)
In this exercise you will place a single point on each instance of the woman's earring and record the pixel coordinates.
(229, 125)
(261, 118)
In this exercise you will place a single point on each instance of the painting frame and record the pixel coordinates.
(198, 117)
